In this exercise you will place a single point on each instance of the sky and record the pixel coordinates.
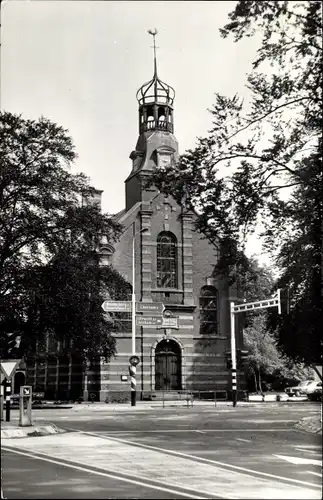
(80, 63)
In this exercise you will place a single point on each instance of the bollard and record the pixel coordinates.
(25, 417)
(7, 396)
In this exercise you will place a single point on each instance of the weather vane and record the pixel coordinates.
(154, 32)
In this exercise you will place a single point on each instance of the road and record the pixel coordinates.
(243, 452)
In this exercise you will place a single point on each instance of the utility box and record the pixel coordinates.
(25, 405)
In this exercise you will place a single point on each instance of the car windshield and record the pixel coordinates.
(305, 383)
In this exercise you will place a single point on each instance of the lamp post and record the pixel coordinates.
(133, 314)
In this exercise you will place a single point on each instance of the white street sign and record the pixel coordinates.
(170, 322)
(116, 306)
(9, 367)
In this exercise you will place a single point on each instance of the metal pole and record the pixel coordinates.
(233, 356)
(133, 320)
(279, 301)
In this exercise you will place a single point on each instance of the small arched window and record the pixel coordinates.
(166, 260)
(209, 310)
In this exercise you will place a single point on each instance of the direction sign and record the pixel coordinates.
(170, 322)
(116, 306)
(26, 391)
(9, 367)
(150, 307)
(149, 320)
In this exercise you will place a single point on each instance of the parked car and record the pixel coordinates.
(305, 387)
(316, 395)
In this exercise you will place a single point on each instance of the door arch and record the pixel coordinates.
(168, 366)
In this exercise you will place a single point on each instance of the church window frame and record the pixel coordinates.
(167, 260)
(208, 304)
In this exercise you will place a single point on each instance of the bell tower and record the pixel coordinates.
(156, 145)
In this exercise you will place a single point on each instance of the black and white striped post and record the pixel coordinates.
(133, 383)
(233, 355)
(133, 360)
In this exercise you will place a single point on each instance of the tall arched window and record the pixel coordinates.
(209, 310)
(166, 260)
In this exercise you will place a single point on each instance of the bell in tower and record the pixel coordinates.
(156, 145)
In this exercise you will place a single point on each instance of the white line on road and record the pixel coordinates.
(152, 431)
(227, 466)
(309, 446)
(201, 432)
(245, 440)
(298, 460)
(312, 452)
(314, 473)
(46, 458)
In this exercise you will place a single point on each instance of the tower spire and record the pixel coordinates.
(154, 33)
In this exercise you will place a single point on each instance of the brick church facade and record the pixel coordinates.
(174, 265)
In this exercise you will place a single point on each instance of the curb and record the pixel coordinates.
(310, 424)
(32, 431)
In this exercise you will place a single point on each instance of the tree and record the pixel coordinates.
(265, 359)
(271, 149)
(50, 273)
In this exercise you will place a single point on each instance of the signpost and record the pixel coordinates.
(152, 314)
(273, 301)
(149, 321)
(8, 368)
(25, 418)
(116, 306)
(150, 307)
(170, 322)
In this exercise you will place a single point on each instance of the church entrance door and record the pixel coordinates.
(168, 366)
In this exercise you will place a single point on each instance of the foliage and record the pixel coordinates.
(261, 151)
(256, 282)
(50, 277)
(265, 358)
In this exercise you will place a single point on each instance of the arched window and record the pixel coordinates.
(208, 310)
(166, 260)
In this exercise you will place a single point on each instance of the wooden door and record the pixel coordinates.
(168, 366)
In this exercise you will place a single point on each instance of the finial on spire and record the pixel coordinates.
(154, 33)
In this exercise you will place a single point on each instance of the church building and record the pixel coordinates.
(174, 265)
(184, 345)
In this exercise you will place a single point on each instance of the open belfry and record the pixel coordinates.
(174, 265)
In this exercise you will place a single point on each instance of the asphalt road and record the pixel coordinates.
(259, 442)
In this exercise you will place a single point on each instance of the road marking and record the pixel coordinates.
(195, 458)
(245, 440)
(312, 452)
(309, 446)
(314, 473)
(297, 460)
(47, 458)
(161, 431)
(201, 432)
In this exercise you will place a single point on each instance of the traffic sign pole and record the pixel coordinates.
(132, 369)
(7, 396)
(274, 301)
(233, 357)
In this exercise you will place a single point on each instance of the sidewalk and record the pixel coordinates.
(166, 469)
